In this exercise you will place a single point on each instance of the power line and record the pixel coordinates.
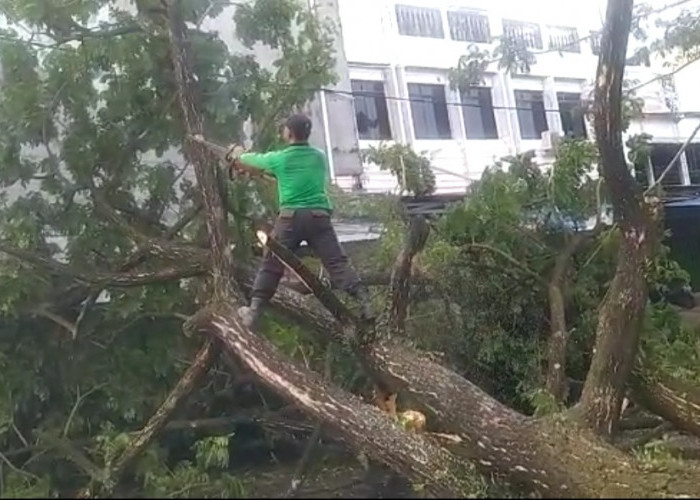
(353, 95)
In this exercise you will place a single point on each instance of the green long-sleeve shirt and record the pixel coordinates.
(301, 172)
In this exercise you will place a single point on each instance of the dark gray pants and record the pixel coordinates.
(292, 227)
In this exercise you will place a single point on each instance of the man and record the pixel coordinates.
(304, 215)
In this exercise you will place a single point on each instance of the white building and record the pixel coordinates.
(394, 61)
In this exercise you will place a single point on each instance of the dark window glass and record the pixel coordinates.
(571, 112)
(429, 111)
(477, 109)
(661, 156)
(371, 112)
(531, 114)
(692, 154)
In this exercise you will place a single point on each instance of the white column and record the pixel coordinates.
(551, 105)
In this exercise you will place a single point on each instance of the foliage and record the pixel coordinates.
(91, 168)
(491, 258)
(412, 170)
(489, 255)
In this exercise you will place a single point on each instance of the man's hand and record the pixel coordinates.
(234, 151)
(232, 155)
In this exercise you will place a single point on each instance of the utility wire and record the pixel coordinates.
(353, 95)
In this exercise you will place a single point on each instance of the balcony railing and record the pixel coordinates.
(419, 21)
(528, 34)
(469, 27)
(564, 39)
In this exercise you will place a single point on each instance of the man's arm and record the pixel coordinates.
(267, 162)
(255, 164)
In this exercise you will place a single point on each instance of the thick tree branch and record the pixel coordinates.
(329, 300)
(559, 333)
(414, 241)
(508, 258)
(200, 366)
(167, 273)
(314, 440)
(673, 399)
(364, 428)
(620, 314)
(203, 160)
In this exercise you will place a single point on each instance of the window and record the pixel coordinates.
(526, 33)
(564, 39)
(371, 113)
(661, 156)
(692, 155)
(468, 27)
(477, 109)
(571, 112)
(429, 110)
(531, 114)
(596, 37)
(419, 21)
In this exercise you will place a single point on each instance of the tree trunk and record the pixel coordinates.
(362, 427)
(552, 457)
(559, 337)
(205, 163)
(620, 315)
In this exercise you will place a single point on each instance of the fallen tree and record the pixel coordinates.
(565, 454)
(556, 456)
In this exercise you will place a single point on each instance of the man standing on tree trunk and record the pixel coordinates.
(304, 215)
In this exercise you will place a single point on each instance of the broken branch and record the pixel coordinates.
(414, 241)
(329, 300)
(200, 366)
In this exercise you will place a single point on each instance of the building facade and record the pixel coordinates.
(395, 58)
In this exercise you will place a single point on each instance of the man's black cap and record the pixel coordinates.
(300, 125)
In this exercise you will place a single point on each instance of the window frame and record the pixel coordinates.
(673, 174)
(558, 33)
(487, 115)
(523, 25)
(419, 32)
(480, 17)
(439, 106)
(580, 116)
(519, 98)
(381, 105)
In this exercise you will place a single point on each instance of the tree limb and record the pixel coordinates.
(507, 257)
(620, 314)
(300, 470)
(329, 300)
(559, 333)
(199, 155)
(414, 241)
(167, 273)
(673, 399)
(362, 427)
(203, 361)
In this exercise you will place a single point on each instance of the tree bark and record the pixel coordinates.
(621, 311)
(673, 399)
(362, 427)
(559, 337)
(414, 241)
(198, 369)
(205, 163)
